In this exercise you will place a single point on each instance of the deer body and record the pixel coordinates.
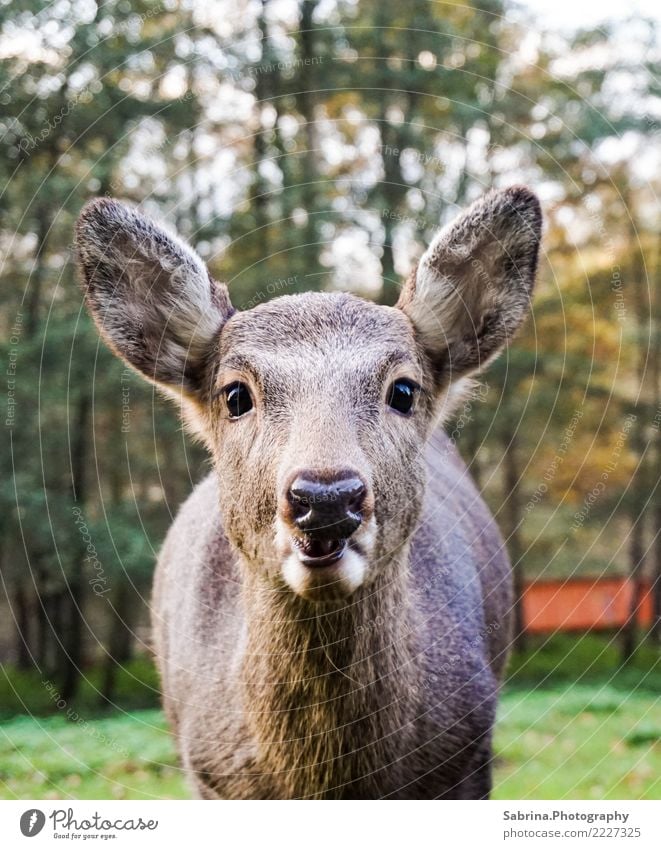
(393, 696)
(331, 606)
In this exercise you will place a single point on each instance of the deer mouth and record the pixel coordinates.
(319, 552)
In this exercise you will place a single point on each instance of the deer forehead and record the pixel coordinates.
(303, 336)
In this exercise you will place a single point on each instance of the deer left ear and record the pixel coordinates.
(473, 286)
(151, 296)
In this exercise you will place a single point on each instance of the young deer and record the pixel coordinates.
(332, 605)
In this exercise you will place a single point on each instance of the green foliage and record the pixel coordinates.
(315, 151)
(33, 692)
(590, 660)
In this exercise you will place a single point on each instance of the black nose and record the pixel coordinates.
(330, 509)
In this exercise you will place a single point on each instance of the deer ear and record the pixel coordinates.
(473, 286)
(150, 295)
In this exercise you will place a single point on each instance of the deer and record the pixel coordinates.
(332, 606)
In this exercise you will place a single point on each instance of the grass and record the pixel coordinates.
(579, 742)
(130, 756)
(572, 724)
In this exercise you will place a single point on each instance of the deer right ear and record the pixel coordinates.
(473, 286)
(150, 295)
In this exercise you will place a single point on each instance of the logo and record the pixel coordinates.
(32, 822)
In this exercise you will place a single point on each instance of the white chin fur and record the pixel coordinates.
(325, 582)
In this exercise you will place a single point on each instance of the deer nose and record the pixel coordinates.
(330, 509)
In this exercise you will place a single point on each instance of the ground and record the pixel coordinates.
(591, 735)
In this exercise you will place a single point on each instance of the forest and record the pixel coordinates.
(318, 145)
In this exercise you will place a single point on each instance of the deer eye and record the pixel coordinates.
(238, 399)
(401, 396)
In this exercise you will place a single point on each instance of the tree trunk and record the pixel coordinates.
(72, 637)
(262, 93)
(306, 106)
(41, 626)
(656, 579)
(54, 615)
(656, 454)
(389, 286)
(33, 304)
(392, 191)
(640, 485)
(512, 523)
(393, 194)
(629, 633)
(37, 277)
(23, 630)
(636, 562)
(120, 642)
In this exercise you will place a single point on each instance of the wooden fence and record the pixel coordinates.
(582, 604)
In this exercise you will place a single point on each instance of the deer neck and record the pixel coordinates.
(329, 688)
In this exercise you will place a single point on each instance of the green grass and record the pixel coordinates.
(130, 756)
(580, 742)
(572, 724)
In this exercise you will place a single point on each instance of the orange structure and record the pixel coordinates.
(582, 604)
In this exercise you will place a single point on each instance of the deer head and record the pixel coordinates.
(315, 407)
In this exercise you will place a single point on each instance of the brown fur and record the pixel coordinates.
(382, 683)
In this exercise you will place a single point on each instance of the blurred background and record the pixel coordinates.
(318, 144)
